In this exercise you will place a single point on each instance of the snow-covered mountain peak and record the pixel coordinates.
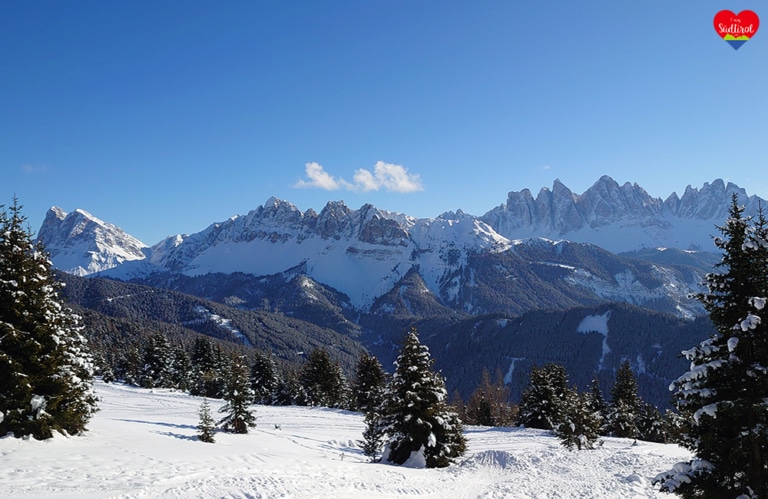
(56, 212)
(82, 244)
(458, 230)
(278, 209)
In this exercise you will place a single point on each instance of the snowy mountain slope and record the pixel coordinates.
(361, 253)
(142, 444)
(617, 217)
(81, 244)
(531, 274)
(460, 258)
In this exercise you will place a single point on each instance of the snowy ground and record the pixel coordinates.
(142, 444)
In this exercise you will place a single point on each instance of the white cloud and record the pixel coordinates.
(386, 176)
(320, 179)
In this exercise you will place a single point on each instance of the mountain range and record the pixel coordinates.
(368, 273)
(364, 253)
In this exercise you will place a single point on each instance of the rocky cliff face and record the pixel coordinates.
(618, 217)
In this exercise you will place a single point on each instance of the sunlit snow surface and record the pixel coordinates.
(142, 444)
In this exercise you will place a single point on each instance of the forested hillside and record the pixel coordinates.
(119, 311)
(586, 340)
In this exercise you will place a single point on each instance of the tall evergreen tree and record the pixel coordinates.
(157, 364)
(323, 380)
(263, 378)
(726, 389)
(238, 397)
(370, 381)
(130, 365)
(415, 413)
(181, 368)
(209, 369)
(46, 369)
(625, 405)
(542, 404)
(597, 404)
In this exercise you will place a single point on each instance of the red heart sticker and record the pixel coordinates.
(736, 29)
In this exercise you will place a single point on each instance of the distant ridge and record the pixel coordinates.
(619, 217)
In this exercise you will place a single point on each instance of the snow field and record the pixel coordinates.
(143, 443)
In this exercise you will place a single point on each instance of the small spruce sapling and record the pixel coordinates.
(373, 436)
(207, 426)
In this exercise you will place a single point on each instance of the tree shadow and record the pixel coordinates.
(177, 435)
(158, 423)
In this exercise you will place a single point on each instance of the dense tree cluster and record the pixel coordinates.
(206, 369)
(580, 419)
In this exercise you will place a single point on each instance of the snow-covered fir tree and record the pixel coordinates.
(625, 404)
(370, 381)
(263, 378)
(581, 424)
(157, 363)
(238, 397)
(367, 397)
(46, 369)
(130, 365)
(597, 403)
(725, 392)
(650, 424)
(542, 401)
(181, 368)
(206, 428)
(415, 415)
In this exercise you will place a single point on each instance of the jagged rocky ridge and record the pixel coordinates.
(619, 217)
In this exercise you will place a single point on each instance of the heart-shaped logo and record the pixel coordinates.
(736, 29)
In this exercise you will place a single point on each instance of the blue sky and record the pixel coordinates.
(164, 117)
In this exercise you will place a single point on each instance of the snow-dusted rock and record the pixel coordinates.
(81, 244)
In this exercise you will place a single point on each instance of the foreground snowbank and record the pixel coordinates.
(142, 444)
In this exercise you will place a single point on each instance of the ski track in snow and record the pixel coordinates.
(142, 444)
